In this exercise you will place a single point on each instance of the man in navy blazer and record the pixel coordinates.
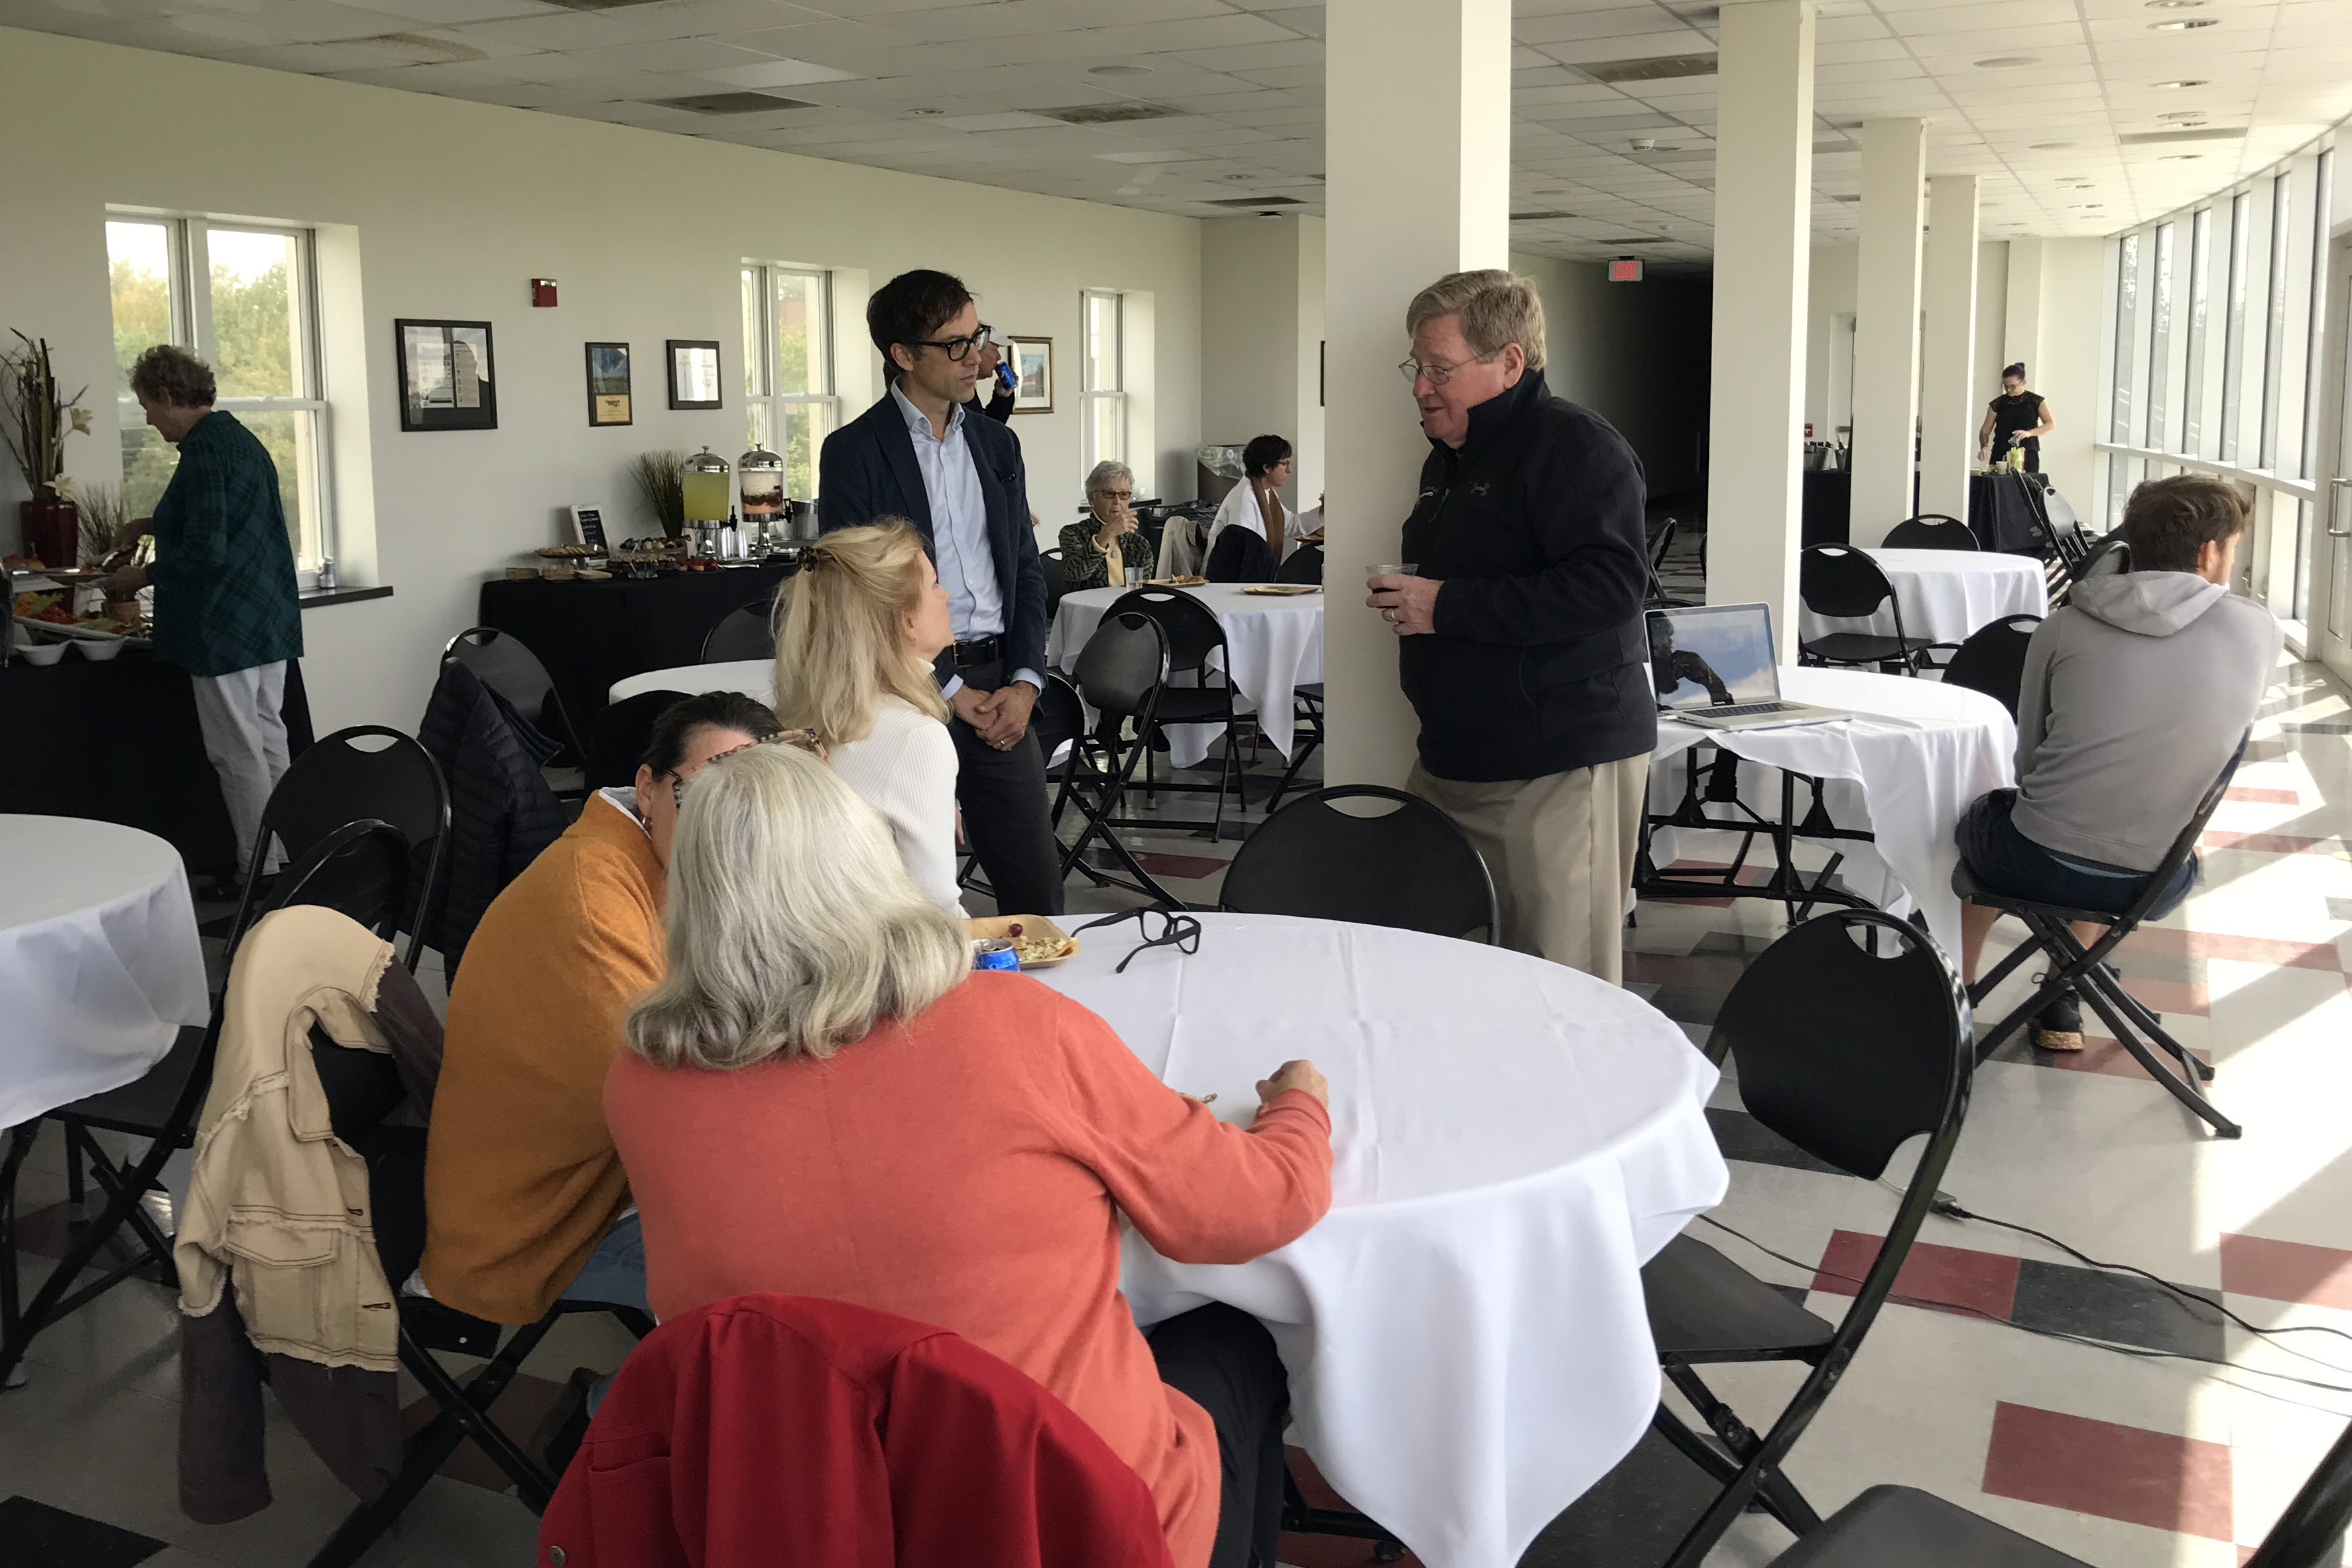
(926, 454)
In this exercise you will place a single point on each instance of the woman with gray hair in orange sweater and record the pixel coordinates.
(823, 1098)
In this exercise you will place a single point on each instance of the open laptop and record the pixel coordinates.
(1712, 666)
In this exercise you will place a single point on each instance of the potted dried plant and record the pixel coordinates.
(35, 420)
(661, 480)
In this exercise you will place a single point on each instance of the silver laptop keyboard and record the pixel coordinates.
(1742, 710)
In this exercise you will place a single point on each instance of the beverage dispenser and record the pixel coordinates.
(760, 476)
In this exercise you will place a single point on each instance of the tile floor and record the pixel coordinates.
(2125, 1457)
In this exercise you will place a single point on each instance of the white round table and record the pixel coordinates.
(1914, 756)
(100, 963)
(753, 677)
(1275, 643)
(1945, 594)
(1464, 1330)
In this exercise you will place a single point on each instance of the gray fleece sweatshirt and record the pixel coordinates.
(2135, 696)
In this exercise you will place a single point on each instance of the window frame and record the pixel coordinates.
(764, 400)
(1090, 396)
(188, 258)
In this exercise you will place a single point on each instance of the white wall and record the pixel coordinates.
(1634, 353)
(1832, 294)
(1260, 339)
(453, 206)
(2058, 289)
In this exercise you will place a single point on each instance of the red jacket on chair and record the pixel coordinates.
(780, 1431)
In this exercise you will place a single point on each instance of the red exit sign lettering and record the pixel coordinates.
(1625, 269)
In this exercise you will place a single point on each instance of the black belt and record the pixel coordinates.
(985, 650)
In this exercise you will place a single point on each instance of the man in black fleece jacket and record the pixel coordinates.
(1521, 645)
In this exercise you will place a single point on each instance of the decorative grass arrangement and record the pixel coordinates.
(103, 518)
(661, 480)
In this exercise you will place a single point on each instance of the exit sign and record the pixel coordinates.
(1625, 269)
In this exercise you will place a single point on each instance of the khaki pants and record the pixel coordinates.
(1560, 849)
(244, 736)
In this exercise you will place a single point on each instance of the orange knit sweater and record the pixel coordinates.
(520, 1178)
(969, 1169)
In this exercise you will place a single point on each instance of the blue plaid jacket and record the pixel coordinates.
(224, 569)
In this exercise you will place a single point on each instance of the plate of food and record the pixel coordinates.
(1284, 589)
(1175, 582)
(1039, 943)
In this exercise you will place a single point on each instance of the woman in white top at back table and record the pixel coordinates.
(862, 620)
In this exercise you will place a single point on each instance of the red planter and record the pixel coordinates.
(53, 530)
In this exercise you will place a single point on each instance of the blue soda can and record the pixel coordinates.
(994, 953)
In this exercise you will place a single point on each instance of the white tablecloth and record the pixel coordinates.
(100, 963)
(1914, 757)
(752, 677)
(1464, 1331)
(1946, 594)
(1275, 643)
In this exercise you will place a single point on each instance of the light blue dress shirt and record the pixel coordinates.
(959, 549)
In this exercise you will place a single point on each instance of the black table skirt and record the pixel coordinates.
(589, 634)
(1999, 513)
(1828, 500)
(118, 742)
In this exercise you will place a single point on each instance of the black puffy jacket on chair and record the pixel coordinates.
(501, 811)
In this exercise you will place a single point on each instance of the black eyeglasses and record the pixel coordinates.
(956, 349)
(1177, 930)
(805, 739)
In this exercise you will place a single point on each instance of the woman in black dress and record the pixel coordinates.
(2015, 418)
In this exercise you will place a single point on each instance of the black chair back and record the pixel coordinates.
(1841, 583)
(1058, 579)
(743, 633)
(616, 741)
(2310, 1533)
(1123, 665)
(1409, 867)
(362, 869)
(1304, 564)
(1192, 629)
(1992, 661)
(500, 662)
(1931, 530)
(339, 781)
(1240, 555)
(1059, 717)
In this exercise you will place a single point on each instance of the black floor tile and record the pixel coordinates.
(1732, 944)
(2063, 1298)
(1741, 1136)
(35, 1535)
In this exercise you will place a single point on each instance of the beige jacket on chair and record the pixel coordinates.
(279, 1205)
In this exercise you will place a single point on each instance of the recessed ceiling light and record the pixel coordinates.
(2087, 207)
(1119, 70)
(2176, 4)
(2008, 62)
(2049, 146)
(2179, 157)
(2185, 81)
(2183, 116)
(2183, 24)
(927, 114)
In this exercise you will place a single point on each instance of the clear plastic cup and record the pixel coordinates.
(1391, 568)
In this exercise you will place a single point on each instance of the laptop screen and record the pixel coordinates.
(1712, 655)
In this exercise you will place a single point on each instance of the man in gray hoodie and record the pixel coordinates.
(2136, 695)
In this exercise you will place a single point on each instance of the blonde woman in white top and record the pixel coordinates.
(860, 625)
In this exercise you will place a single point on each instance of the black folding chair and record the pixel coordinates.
(1304, 564)
(1122, 673)
(339, 781)
(2064, 574)
(500, 662)
(740, 634)
(1887, 1526)
(2085, 971)
(1305, 735)
(1850, 1034)
(1409, 866)
(1058, 579)
(1058, 720)
(616, 740)
(1841, 582)
(1931, 530)
(362, 869)
(1196, 647)
(1992, 661)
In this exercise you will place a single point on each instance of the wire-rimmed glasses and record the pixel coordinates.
(1177, 930)
(1413, 369)
(805, 739)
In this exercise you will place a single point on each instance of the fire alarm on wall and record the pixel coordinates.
(1625, 269)
(542, 291)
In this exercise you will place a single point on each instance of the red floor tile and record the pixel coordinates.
(2116, 1472)
(2269, 843)
(2221, 944)
(2170, 996)
(1941, 1278)
(2286, 1270)
(2264, 797)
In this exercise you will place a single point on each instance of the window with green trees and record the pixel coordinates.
(788, 367)
(240, 298)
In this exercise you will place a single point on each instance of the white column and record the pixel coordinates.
(1947, 403)
(1887, 325)
(1417, 184)
(1763, 200)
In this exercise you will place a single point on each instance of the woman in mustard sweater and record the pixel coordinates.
(823, 1098)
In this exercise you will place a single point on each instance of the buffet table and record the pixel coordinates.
(118, 742)
(591, 634)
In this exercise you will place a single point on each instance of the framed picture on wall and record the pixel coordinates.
(447, 375)
(608, 383)
(693, 373)
(1032, 364)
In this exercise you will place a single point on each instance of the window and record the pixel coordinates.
(2120, 416)
(788, 367)
(1103, 394)
(2274, 332)
(2159, 341)
(2192, 381)
(242, 299)
(2233, 333)
(2322, 169)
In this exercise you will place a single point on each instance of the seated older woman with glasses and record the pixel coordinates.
(1094, 552)
(823, 1098)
